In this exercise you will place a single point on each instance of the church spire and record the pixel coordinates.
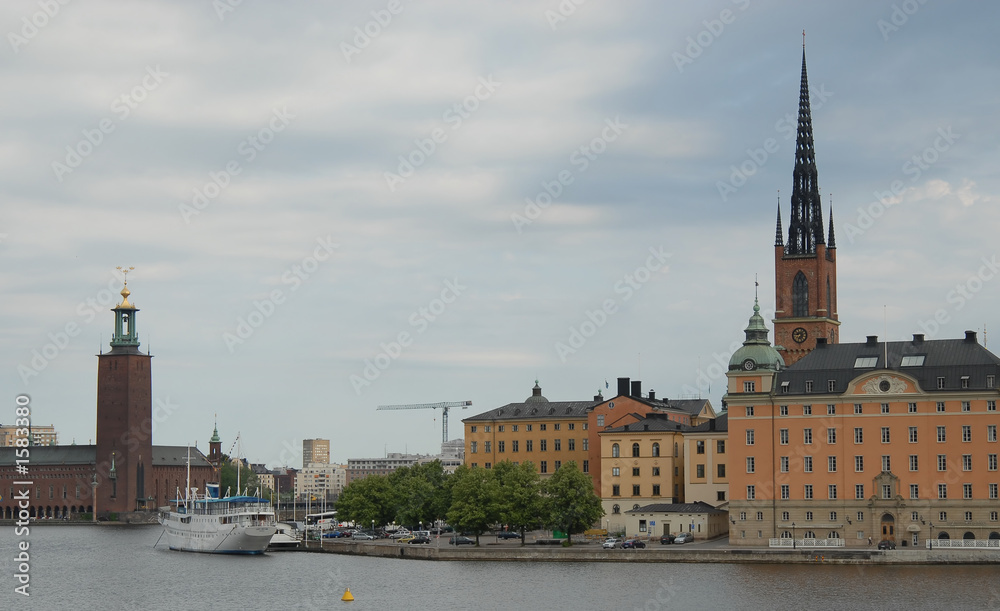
(831, 242)
(777, 228)
(805, 228)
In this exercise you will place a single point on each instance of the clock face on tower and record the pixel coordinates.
(799, 335)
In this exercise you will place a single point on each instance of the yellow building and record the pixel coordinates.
(706, 463)
(41, 435)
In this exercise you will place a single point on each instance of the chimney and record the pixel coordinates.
(970, 336)
(645, 427)
(918, 338)
(599, 398)
(622, 387)
(872, 340)
(821, 342)
(637, 389)
(652, 394)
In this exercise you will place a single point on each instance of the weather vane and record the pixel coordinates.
(125, 272)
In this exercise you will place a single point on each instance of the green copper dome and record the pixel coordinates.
(215, 436)
(757, 352)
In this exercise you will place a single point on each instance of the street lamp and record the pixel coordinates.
(373, 528)
(93, 484)
(930, 542)
(793, 535)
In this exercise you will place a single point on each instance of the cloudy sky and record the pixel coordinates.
(336, 205)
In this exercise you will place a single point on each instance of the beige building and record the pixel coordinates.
(320, 481)
(315, 451)
(706, 463)
(700, 519)
(40, 435)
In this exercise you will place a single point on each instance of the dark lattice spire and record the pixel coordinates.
(777, 228)
(831, 242)
(805, 228)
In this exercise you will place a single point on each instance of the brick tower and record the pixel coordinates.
(805, 269)
(124, 418)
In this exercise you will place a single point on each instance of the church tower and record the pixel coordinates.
(805, 268)
(124, 418)
(215, 450)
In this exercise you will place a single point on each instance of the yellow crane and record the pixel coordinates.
(444, 407)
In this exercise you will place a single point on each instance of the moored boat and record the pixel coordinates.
(210, 524)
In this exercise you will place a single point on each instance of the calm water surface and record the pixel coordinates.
(119, 568)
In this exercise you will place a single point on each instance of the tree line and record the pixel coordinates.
(474, 499)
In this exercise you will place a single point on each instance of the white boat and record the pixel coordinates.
(209, 524)
(285, 537)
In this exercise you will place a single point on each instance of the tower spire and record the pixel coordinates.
(777, 229)
(831, 242)
(805, 228)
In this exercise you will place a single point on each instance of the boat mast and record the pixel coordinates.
(187, 486)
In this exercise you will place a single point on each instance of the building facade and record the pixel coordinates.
(40, 435)
(706, 463)
(315, 451)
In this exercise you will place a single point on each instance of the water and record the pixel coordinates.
(81, 567)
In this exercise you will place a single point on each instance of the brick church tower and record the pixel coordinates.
(124, 418)
(805, 269)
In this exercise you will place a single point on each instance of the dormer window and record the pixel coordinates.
(865, 361)
(912, 361)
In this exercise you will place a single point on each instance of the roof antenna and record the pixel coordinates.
(885, 330)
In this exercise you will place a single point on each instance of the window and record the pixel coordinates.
(785, 494)
(942, 462)
(556, 426)
(616, 471)
(943, 516)
(993, 492)
(527, 427)
(965, 381)
(942, 491)
(832, 491)
(911, 408)
(833, 516)
(967, 492)
(831, 464)
(784, 464)
(699, 447)
(760, 515)
(486, 428)
(865, 361)
(886, 464)
(487, 447)
(859, 464)
(859, 492)
(751, 464)
(991, 462)
(558, 445)
(617, 508)
(749, 437)
(941, 437)
(572, 426)
(656, 490)
(541, 427)
(699, 471)
(914, 492)
(558, 464)
(501, 446)
(572, 444)
(991, 406)
(783, 437)
(966, 433)
(656, 449)
(721, 470)
(993, 516)
(809, 385)
(831, 385)
(749, 410)
(600, 420)
(635, 471)
(966, 462)
(543, 445)
(808, 492)
(886, 491)
(586, 466)
(940, 406)
(885, 434)
(751, 493)
(800, 295)
(472, 429)
(809, 514)
(616, 491)
(529, 445)
(885, 408)
(782, 410)
(749, 386)
(743, 515)
(500, 428)
(913, 462)
(913, 434)
(859, 435)
(586, 444)
(513, 428)
(615, 452)
(831, 435)
(784, 517)
(991, 433)
(635, 490)
(989, 381)
(807, 410)
(720, 446)
(807, 464)
(966, 406)
(912, 361)
(857, 408)
(473, 447)
(807, 436)
(940, 382)
(635, 450)
(543, 467)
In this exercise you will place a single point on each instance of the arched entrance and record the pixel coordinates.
(994, 535)
(943, 535)
(888, 527)
(968, 535)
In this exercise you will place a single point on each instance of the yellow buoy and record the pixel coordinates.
(347, 597)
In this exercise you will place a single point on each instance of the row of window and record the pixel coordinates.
(831, 385)
(885, 435)
(699, 470)
(859, 463)
(637, 490)
(884, 408)
(720, 446)
(832, 492)
(616, 471)
(529, 445)
(543, 465)
(542, 426)
(914, 516)
(616, 450)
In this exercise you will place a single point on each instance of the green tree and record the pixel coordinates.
(570, 504)
(474, 505)
(519, 495)
(227, 478)
(414, 492)
(366, 500)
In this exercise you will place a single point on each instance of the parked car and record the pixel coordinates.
(634, 544)
(886, 544)
(362, 537)
(611, 543)
(666, 539)
(461, 541)
(406, 539)
(684, 538)
(399, 534)
(419, 539)
(507, 534)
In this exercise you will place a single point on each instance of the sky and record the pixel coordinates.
(331, 206)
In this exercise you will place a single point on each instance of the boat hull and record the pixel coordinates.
(208, 534)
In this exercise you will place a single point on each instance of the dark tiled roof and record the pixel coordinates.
(947, 358)
(166, 456)
(535, 411)
(85, 455)
(698, 507)
(652, 425)
(720, 423)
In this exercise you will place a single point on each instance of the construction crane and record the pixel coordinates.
(444, 407)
